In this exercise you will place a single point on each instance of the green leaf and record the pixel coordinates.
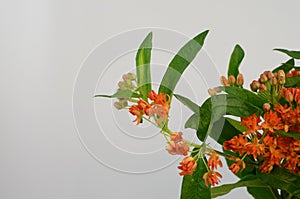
(248, 171)
(246, 182)
(143, 58)
(245, 95)
(180, 62)
(236, 124)
(235, 61)
(214, 108)
(121, 94)
(280, 178)
(188, 103)
(193, 186)
(291, 53)
(286, 67)
(293, 81)
(263, 192)
(223, 130)
(294, 135)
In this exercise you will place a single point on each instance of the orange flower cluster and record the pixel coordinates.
(262, 141)
(177, 146)
(159, 107)
(213, 177)
(188, 166)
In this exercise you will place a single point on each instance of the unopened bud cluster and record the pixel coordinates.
(128, 83)
(232, 81)
(267, 80)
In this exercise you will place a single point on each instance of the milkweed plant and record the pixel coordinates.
(261, 145)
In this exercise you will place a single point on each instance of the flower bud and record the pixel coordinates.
(263, 87)
(240, 79)
(263, 78)
(288, 95)
(131, 76)
(218, 89)
(224, 81)
(281, 74)
(255, 85)
(266, 107)
(297, 96)
(231, 80)
(125, 77)
(212, 92)
(273, 81)
(281, 80)
(118, 105)
(269, 74)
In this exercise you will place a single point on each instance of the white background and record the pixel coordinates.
(44, 42)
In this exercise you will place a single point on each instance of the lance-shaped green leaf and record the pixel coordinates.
(245, 95)
(224, 129)
(193, 186)
(294, 135)
(263, 192)
(235, 60)
(180, 62)
(293, 81)
(188, 103)
(216, 107)
(291, 53)
(248, 181)
(143, 58)
(280, 178)
(121, 94)
(286, 67)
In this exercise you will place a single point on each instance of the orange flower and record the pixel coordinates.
(272, 121)
(236, 144)
(214, 160)
(139, 110)
(251, 123)
(188, 166)
(178, 148)
(135, 110)
(254, 148)
(236, 167)
(177, 137)
(212, 177)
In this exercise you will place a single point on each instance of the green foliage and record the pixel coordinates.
(121, 94)
(193, 186)
(293, 81)
(143, 58)
(286, 67)
(294, 135)
(235, 60)
(280, 178)
(188, 103)
(180, 62)
(291, 53)
(216, 107)
(248, 181)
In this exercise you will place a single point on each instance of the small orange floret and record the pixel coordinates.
(214, 160)
(239, 165)
(212, 178)
(188, 166)
(251, 123)
(135, 110)
(272, 121)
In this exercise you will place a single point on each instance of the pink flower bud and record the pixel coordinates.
(266, 107)
(255, 85)
(212, 92)
(240, 79)
(231, 80)
(273, 81)
(263, 78)
(263, 87)
(224, 81)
